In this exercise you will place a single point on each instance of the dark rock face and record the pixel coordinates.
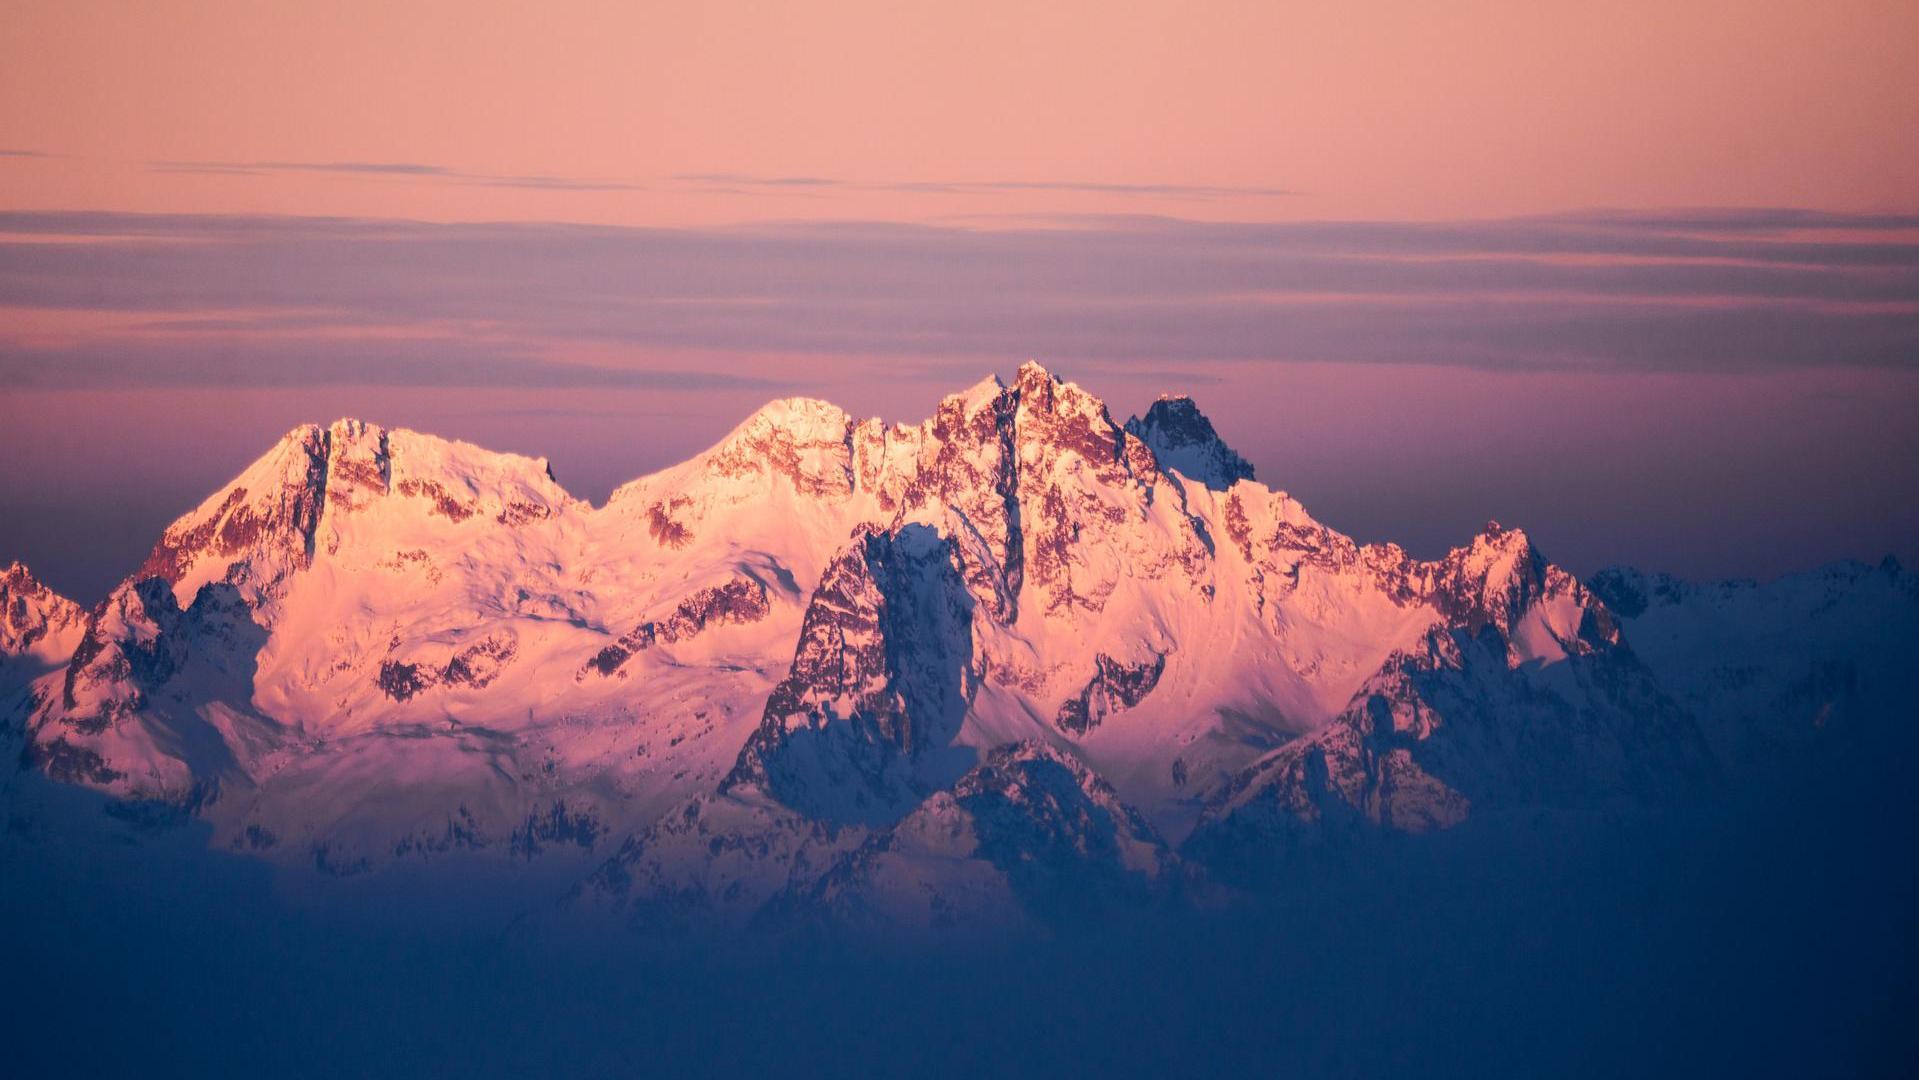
(738, 602)
(462, 831)
(402, 681)
(965, 457)
(557, 826)
(879, 684)
(1058, 422)
(474, 666)
(478, 665)
(1056, 830)
(68, 763)
(356, 470)
(1114, 686)
(517, 513)
(1183, 439)
(666, 531)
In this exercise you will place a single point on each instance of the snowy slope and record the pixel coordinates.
(1818, 662)
(1526, 696)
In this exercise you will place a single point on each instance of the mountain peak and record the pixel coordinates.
(980, 393)
(1494, 579)
(1032, 371)
(18, 579)
(31, 613)
(803, 439)
(1184, 440)
(1042, 393)
(797, 414)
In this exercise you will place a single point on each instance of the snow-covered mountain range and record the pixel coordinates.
(1010, 662)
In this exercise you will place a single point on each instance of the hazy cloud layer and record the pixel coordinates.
(294, 301)
(123, 362)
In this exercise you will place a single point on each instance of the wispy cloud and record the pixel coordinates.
(396, 169)
(1735, 219)
(712, 182)
(743, 181)
(23, 154)
(311, 298)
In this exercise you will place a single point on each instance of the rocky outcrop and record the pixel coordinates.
(879, 684)
(474, 666)
(740, 601)
(1114, 686)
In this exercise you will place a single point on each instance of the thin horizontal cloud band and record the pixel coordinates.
(1765, 236)
(119, 363)
(1600, 293)
(710, 182)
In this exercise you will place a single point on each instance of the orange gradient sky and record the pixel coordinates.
(1358, 110)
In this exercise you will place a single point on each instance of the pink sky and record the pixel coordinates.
(1323, 220)
(1362, 109)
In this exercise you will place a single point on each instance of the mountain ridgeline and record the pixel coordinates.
(1015, 663)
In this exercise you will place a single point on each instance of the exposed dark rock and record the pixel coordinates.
(740, 601)
(1113, 687)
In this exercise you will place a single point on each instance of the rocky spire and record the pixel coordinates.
(1184, 440)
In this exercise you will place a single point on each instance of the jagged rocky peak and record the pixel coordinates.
(34, 618)
(1184, 440)
(1492, 580)
(1055, 415)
